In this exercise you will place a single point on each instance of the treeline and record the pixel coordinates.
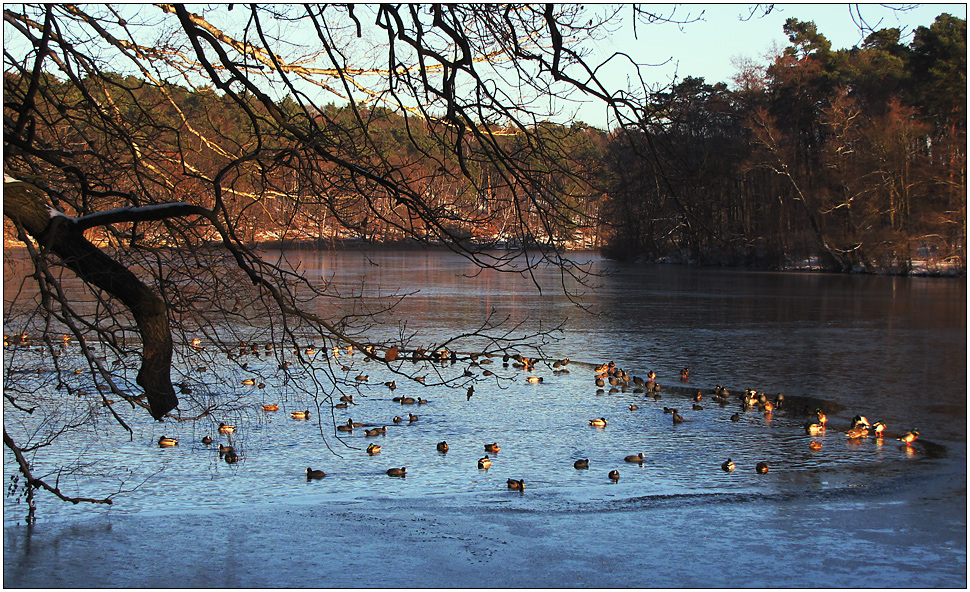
(843, 160)
(848, 159)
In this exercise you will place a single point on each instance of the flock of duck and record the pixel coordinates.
(607, 373)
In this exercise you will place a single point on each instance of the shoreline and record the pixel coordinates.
(929, 268)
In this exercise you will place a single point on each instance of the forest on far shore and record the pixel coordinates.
(843, 160)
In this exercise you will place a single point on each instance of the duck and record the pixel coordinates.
(696, 407)
(166, 442)
(341, 405)
(669, 410)
(493, 447)
(813, 445)
(300, 414)
(534, 379)
(407, 400)
(909, 437)
(859, 420)
(634, 458)
(728, 465)
(223, 450)
(442, 446)
(484, 462)
(248, 381)
(633, 407)
(422, 401)
(412, 417)
(761, 467)
(231, 457)
(397, 419)
(271, 407)
(314, 474)
(516, 484)
(878, 428)
(226, 429)
(347, 399)
(207, 440)
(345, 427)
(373, 449)
(582, 463)
(376, 431)
(598, 423)
(614, 475)
(736, 417)
(677, 418)
(857, 431)
(395, 472)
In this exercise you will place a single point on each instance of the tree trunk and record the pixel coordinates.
(26, 206)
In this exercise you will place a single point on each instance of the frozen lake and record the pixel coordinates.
(868, 513)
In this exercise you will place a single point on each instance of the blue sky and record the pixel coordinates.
(705, 48)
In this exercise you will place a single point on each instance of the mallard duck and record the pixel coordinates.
(768, 406)
(814, 428)
(223, 450)
(581, 464)
(598, 423)
(634, 458)
(347, 399)
(633, 407)
(442, 446)
(761, 467)
(813, 445)
(614, 475)
(728, 465)
(207, 440)
(231, 457)
(166, 442)
(534, 379)
(373, 449)
(736, 417)
(878, 428)
(858, 431)
(314, 474)
(859, 420)
(226, 429)
(909, 437)
(484, 462)
(395, 472)
(272, 407)
(493, 447)
(248, 381)
(300, 414)
(516, 484)
(677, 418)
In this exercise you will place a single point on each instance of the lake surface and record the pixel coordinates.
(892, 349)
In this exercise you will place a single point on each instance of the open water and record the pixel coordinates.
(892, 349)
